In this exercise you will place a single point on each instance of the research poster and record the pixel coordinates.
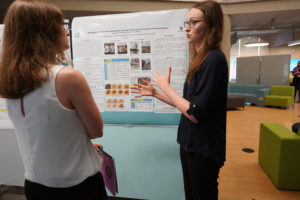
(116, 51)
(5, 122)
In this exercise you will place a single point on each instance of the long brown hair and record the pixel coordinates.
(213, 16)
(31, 45)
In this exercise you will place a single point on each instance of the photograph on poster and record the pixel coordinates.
(122, 48)
(134, 47)
(146, 64)
(142, 79)
(146, 47)
(107, 86)
(126, 92)
(120, 92)
(117, 89)
(109, 48)
(115, 103)
(108, 92)
(135, 63)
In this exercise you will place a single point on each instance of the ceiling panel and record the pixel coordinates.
(266, 20)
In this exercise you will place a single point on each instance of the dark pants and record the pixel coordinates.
(91, 188)
(296, 83)
(200, 176)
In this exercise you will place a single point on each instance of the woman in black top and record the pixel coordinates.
(202, 128)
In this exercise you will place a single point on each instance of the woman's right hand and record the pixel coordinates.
(143, 89)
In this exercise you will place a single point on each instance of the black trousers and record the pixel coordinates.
(296, 83)
(200, 176)
(91, 188)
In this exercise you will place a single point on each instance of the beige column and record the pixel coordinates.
(226, 43)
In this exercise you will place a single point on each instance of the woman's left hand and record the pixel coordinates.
(161, 81)
(97, 146)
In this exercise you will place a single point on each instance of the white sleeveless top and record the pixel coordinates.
(54, 145)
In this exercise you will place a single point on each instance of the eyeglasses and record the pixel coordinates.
(66, 27)
(192, 23)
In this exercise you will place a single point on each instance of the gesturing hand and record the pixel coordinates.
(161, 81)
(143, 89)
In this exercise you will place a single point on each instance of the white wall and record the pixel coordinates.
(11, 167)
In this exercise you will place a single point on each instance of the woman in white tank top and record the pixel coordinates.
(51, 106)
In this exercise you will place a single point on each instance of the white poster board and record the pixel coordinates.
(116, 51)
(5, 122)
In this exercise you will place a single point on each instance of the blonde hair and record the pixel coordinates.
(31, 45)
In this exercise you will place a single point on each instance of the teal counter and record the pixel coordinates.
(147, 161)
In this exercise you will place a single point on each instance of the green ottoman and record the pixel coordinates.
(279, 150)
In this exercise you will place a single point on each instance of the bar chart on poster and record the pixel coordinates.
(116, 51)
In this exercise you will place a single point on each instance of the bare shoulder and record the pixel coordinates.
(70, 74)
(70, 81)
(69, 77)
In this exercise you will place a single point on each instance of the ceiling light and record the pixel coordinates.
(256, 44)
(293, 43)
